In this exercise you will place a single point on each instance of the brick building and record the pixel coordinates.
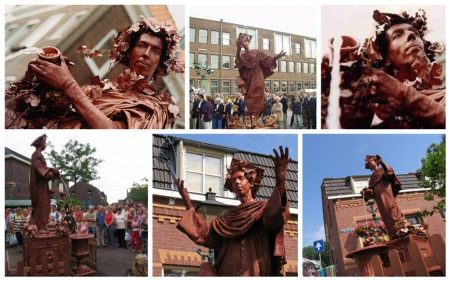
(213, 43)
(68, 27)
(203, 166)
(343, 206)
(88, 194)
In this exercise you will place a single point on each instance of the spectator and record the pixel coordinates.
(277, 109)
(100, 229)
(110, 223)
(120, 227)
(91, 219)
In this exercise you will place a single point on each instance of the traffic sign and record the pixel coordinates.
(319, 246)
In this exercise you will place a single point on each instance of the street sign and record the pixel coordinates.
(319, 246)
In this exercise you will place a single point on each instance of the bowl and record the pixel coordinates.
(50, 54)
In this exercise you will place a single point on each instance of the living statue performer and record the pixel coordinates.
(254, 66)
(248, 239)
(39, 177)
(132, 100)
(384, 187)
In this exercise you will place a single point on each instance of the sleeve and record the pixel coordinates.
(197, 229)
(424, 109)
(276, 212)
(41, 167)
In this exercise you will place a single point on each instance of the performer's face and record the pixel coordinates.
(146, 55)
(405, 44)
(371, 164)
(241, 185)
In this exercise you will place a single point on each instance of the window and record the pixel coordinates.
(191, 59)
(214, 37)
(291, 66)
(202, 59)
(267, 86)
(299, 86)
(284, 86)
(266, 44)
(214, 61)
(299, 67)
(305, 67)
(180, 271)
(68, 25)
(276, 86)
(191, 35)
(226, 87)
(414, 220)
(292, 87)
(312, 68)
(313, 84)
(298, 48)
(204, 171)
(202, 36)
(234, 63)
(283, 66)
(101, 65)
(19, 33)
(306, 85)
(235, 87)
(253, 33)
(214, 86)
(42, 30)
(282, 43)
(225, 38)
(357, 184)
(310, 48)
(225, 62)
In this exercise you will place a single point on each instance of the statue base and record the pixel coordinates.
(47, 254)
(407, 256)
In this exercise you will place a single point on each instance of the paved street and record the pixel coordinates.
(110, 262)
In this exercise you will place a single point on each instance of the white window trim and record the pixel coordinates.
(104, 69)
(70, 23)
(42, 30)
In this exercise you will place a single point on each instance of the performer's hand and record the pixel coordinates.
(184, 193)
(281, 160)
(280, 55)
(56, 76)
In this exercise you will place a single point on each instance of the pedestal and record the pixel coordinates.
(363, 258)
(49, 251)
(80, 250)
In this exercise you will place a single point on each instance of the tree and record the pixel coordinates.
(68, 203)
(308, 252)
(139, 192)
(432, 176)
(75, 162)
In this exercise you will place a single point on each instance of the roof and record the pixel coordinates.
(342, 186)
(162, 176)
(10, 152)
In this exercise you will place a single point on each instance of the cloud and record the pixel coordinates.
(310, 237)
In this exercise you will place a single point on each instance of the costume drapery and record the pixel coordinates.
(255, 66)
(385, 186)
(39, 193)
(248, 240)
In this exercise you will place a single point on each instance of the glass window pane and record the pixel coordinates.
(226, 39)
(191, 59)
(215, 183)
(202, 59)
(226, 86)
(266, 44)
(283, 66)
(299, 67)
(305, 67)
(291, 66)
(203, 36)
(194, 162)
(214, 61)
(278, 43)
(287, 44)
(191, 34)
(225, 62)
(312, 68)
(214, 37)
(194, 182)
(213, 164)
(284, 86)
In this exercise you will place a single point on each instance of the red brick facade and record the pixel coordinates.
(340, 216)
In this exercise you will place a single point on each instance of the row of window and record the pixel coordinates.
(280, 42)
(283, 66)
(288, 87)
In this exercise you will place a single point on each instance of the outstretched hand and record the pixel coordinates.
(280, 55)
(184, 193)
(281, 160)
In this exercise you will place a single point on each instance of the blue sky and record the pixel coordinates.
(336, 156)
(260, 143)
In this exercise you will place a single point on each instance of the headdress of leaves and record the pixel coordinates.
(252, 173)
(166, 31)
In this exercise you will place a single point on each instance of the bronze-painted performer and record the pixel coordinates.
(384, 187)
(248, 240)
(39, 178)
(254, 66)
(131, 100)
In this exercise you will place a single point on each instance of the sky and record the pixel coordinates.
(298, 19)
(126, 154)
(340, 20)
(260, 143)
(338, 156)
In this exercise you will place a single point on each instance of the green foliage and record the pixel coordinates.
(432, 175)
(75, 162)
(308, 252)
(68, 203)
(139, 192)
